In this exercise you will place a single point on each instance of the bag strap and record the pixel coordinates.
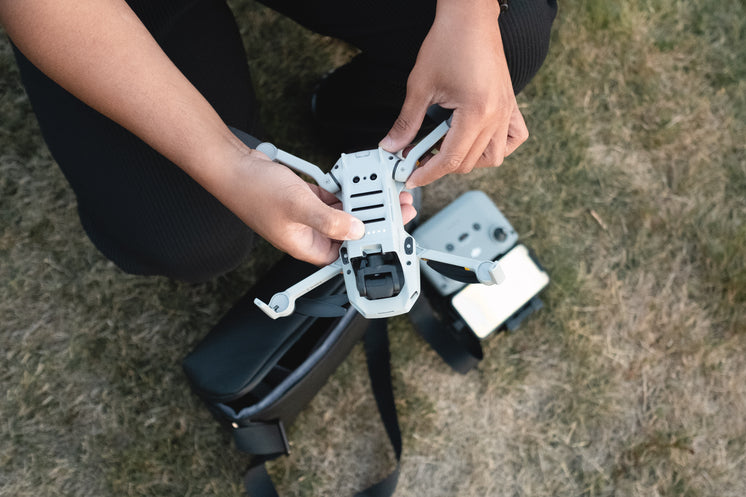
(378, 357)
(258, 483)
(267, 440)
(262, 438)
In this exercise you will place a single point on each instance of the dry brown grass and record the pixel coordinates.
(631, 381)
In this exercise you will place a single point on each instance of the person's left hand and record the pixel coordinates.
(461, 66)
(295, 216)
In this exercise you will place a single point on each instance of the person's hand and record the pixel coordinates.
(461, 66)
(127, 77)
(295, 216)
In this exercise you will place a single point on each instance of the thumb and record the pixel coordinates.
(334, 223)
(407, 124)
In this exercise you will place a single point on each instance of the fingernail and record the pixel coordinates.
(387, 144)
(357, 230)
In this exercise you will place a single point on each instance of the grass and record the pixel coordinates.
(631, 381)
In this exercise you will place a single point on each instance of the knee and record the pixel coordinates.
(192, 252)
(203, 262)
(526, 29)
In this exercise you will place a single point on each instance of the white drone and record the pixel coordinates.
(381, 270)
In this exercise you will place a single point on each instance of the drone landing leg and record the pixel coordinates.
(405, 168)
(283, 304)
(325, 181)
(487, 272)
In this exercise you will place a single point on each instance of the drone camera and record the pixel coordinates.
(378, 276)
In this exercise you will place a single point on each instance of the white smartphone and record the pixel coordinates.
(484, 308)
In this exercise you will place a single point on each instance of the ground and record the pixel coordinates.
(630, 381)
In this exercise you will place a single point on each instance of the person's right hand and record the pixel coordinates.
(461, 65)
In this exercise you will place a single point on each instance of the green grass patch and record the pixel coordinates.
(631, 190)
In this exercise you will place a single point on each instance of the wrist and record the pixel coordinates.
(467, 16)
(219, 161)
(471, 7)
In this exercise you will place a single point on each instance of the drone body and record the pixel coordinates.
(381, 270)
(382, 267)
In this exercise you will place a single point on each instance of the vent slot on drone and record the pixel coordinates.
(367, 207)
(365, 194)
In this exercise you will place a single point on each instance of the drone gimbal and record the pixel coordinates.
(381, 270)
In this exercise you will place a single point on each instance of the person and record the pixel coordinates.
(135, 98)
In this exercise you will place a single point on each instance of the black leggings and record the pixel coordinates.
(142, 211)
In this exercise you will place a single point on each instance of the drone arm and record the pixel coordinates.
(283, 303)
(325, 181)
(487, 272)
(405, 168)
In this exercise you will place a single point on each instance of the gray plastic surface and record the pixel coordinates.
(325, 181)
(465, 227)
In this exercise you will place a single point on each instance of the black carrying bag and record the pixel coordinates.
(256, 374)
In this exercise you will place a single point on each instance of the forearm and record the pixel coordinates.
(469, 7)
(100, 52)
(468, 16)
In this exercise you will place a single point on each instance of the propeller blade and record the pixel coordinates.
(458, 273)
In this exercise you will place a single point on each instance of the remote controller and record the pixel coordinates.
(470, 226)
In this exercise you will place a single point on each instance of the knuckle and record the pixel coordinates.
(333, 226)
(452, 163)
(297, 203)
(402, 124)
(296, 198)
(465, 169)
(489, 157)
